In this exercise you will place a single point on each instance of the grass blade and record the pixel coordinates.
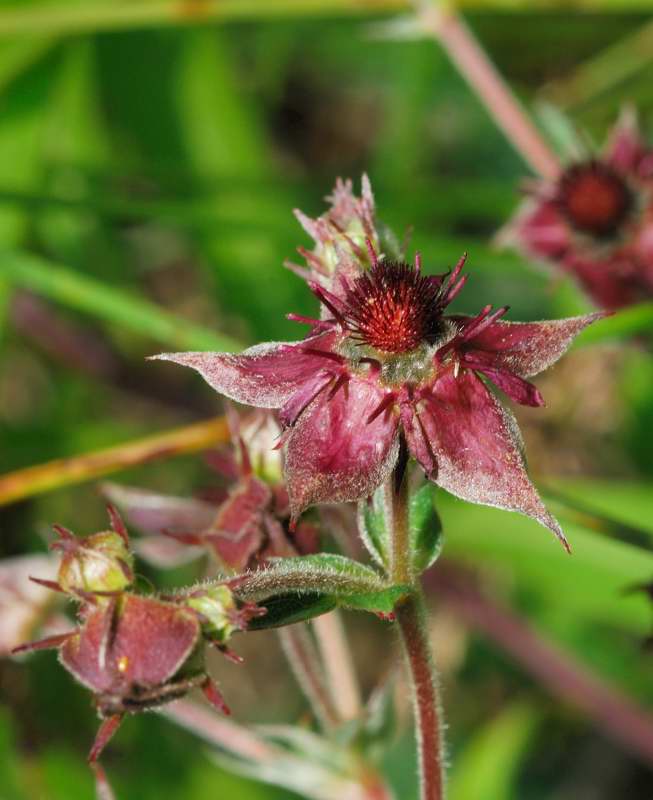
(116, 306)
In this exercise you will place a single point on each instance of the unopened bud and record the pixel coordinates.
(101, 562)
(218, 613)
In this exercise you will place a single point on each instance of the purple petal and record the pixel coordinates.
(303, 397)
(625, 147)
(517, 389)
(237, 532)
(155, 638)
(478, 448)
(166, 553)
(525, 348)
(223, 461)
(145, 643)
(265, 375)
(333, 454)
(155, 513)
(24, 604)
(611, 282)
(538, 229)
(236, 551)
(417, 440)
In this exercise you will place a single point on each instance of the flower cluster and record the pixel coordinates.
(385, 364)
(135, 652)
(241, 526)
(595, 221)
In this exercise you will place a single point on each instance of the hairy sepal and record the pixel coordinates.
(478, 450)
(266, 375)
(525, 348)
(333, 455)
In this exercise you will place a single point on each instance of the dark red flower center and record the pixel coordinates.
(594, 198)
(394, 309)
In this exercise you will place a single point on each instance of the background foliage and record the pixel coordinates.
(147, 177)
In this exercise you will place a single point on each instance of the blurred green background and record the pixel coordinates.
(147, 178)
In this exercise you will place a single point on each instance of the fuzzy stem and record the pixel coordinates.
(411, 617)
(305, 665)
(470, 59)
(396, 509)
(338, 666)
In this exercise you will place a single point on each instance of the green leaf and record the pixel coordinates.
(622, 325)
(489, 764)
(9, 759)
(423, 521)
(219, 122)
(22, 129)
(591, 584)
(425, 528)
(622, 509)
(318, 583)
(117, 306)
(371, 526)
(286, 609)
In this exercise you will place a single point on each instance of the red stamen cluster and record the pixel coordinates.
(393, 308)
(594, 198)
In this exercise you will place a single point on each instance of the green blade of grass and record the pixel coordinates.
(80, 18)
(489, 764)
(605, 71)
(594, 583)
(624, 324)
(91, 17)
(115, 306)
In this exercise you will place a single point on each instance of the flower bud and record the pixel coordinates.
(100, 563)
(218, 612)
(260, 434)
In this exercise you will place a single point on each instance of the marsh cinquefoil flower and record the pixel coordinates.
(596, 220)
(387, 362)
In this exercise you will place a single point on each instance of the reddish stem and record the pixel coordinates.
(474, 65)
(411, 617)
